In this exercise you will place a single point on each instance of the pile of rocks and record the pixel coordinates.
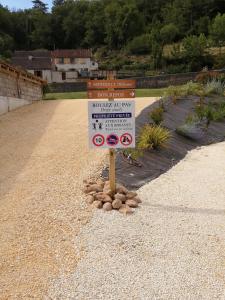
(100, 195)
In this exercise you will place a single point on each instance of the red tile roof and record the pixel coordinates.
(77, 53)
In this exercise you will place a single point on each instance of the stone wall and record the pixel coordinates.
(164, 80)
(67, 87)
(17, 88)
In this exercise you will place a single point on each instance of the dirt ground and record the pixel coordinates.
(44, 159)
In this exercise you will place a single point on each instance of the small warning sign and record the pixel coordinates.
(111, 124)
(126, 139)
(98, 140)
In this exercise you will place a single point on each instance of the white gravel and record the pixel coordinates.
(170, 248)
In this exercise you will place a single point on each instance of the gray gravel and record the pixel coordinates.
(170, 248)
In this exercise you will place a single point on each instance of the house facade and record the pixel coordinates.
(56, 66)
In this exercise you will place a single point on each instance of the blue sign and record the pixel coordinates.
(112, 116)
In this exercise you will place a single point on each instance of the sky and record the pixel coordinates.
(16, 4)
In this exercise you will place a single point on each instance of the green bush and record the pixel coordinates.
(134, 153)
(174, 92)
(157, 115)
(215, 86)
(191, 88)
(193, 131)
(153, 137)
(45, 89)
(219, 61)
(211, 112)
(140, 45)
(174, 69)
(204, 112)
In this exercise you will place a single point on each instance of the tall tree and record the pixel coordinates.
(58, 2)
(217, 30)
(40, 5)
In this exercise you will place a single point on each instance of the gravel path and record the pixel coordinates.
(44, 159)
(171, 248)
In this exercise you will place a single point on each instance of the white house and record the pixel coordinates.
(58, 65)
(70, 60)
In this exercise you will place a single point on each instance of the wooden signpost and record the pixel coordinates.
(111, 89)
(111, 84)
(107, 94)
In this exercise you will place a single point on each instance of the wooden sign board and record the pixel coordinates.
(117, 94)
(111, 84)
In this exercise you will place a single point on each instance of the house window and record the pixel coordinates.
(38, 73)
(61, 60)
(63, 75)
(81, 61)
(72, 60)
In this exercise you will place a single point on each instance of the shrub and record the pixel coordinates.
(157, 115)
(174, 69)
(204, 77)
(191, 88)
(219, 61)
(215, 86)
(204, 112)
(134, 153)
(202, 94)
(45, 89)
(191, 131)
(191, 118)
(174, 92)
(140, 45)
(153, 137)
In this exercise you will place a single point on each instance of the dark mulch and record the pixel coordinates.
(156, 162)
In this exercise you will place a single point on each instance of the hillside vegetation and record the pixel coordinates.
(119, 31)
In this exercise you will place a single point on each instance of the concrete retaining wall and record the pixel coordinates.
(17, 88)
(9, 103)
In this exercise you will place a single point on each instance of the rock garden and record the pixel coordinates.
(99, 195)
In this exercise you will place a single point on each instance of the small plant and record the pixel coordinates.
(191, 118)
(202, 94)
(133, 153)
(215, 86)
(174, 92)
(45, 89)
(153, 137)
(157, 115)
(191, 88)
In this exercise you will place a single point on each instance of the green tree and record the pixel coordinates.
(195, 46)
(194, 52)
(41, 30)
(40, 5)
(140, 44)
(156, 47)
(122, 23)
(95, 24)
(168, 33)
(74, 24)
(217, 30)
(58, 2)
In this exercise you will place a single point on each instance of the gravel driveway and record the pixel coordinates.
(171, 248)
(43, 161)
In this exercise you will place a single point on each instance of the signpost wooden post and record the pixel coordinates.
(111, 89)
(112, 155)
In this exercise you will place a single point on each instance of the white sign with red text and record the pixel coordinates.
(111, 124)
